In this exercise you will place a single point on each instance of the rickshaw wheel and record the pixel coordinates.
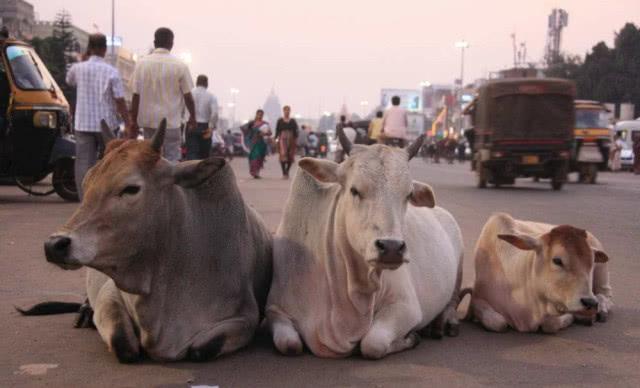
(30, 186)
(64, 182)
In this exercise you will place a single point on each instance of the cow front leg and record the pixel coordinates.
(553, 324)
(115, 325)
(285, 337)
(225, 337)
(488, 317)
(604, 306)
(391, 332)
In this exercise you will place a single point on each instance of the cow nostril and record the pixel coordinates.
(62, 244)
(57, 248)
(402, 247)
(380, 245)
(589, 303)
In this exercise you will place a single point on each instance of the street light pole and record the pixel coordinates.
(462, 44)
(234, 93)
(113, 27)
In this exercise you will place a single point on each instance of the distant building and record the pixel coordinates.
(19, 18)
(272, 108)
(125, 61)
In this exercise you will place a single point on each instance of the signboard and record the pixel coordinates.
(410, 99)
(117, 41)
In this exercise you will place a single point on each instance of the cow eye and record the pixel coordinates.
(558, 261)
(130, 190)
(355, 192)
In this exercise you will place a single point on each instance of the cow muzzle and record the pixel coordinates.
(56, 249)
(390, 253)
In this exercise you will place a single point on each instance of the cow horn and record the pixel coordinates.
(344, 141)
(158, 137)
(107, 133)
(414, 147)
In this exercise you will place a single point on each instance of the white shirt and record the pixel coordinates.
(98, 84)
(206, 106)
(161, 80)
(395, 122)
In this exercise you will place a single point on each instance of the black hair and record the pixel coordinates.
(343, 118)
(395, 100)
(379, 114)
(202, 80)
(97, 41)
(163, 38)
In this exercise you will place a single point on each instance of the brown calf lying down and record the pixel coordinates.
(532, 276)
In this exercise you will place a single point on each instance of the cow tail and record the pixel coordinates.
(50, 308)
(461, 295)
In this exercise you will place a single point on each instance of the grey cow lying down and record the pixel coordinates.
(363, 259)
(179, 265)
(533, 276)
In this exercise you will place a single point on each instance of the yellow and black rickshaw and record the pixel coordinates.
(35, 129)
(592, 140)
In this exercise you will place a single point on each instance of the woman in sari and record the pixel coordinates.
(286, 136)
(255, 132)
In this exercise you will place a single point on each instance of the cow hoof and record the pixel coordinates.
(414, 339)
(453, 329)
(290, 347)
(85, 317)
(208, 351)
(125, 352)
(602, 316)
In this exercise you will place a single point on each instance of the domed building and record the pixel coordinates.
(272, 108)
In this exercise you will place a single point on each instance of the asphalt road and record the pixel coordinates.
(37, 351)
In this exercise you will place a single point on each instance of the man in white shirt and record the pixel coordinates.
(100, 96)
(394, 124)
(199, 139)
(162, 86)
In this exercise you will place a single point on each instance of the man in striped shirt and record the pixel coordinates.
(161, 88)
(100, 95)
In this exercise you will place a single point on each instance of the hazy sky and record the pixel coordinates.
(318, 54)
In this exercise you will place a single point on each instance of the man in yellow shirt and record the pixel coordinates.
(162, 86)
(375, 128)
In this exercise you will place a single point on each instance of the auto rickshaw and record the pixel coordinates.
(522, 127)
(592, 140)
(35, 130)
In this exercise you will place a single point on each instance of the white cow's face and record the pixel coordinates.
(563, 267)
(376, 190)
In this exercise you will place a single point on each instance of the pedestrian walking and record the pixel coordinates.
(100, 96)
(256, 131)
(616, 151)
(229, 139)
(349, 132)
(394, 124)
(161, 88)
(199, 139)
(375, 128)
(286, 135)
(635, 137)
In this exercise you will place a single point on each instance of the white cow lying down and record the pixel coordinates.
(531, 276)
(362, 257)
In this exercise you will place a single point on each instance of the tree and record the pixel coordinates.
(58, 52)
(607, 74)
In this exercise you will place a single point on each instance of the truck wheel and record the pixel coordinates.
(558, 178)
(64, 182)
(593, 173)
(481, 173)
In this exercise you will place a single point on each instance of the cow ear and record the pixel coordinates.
(422, 195)
(600, 256)
(193, 173)
(322, 170)
(520, 241)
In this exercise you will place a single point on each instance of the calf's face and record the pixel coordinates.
(563, 265)
(376, 189)
(127, 214)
